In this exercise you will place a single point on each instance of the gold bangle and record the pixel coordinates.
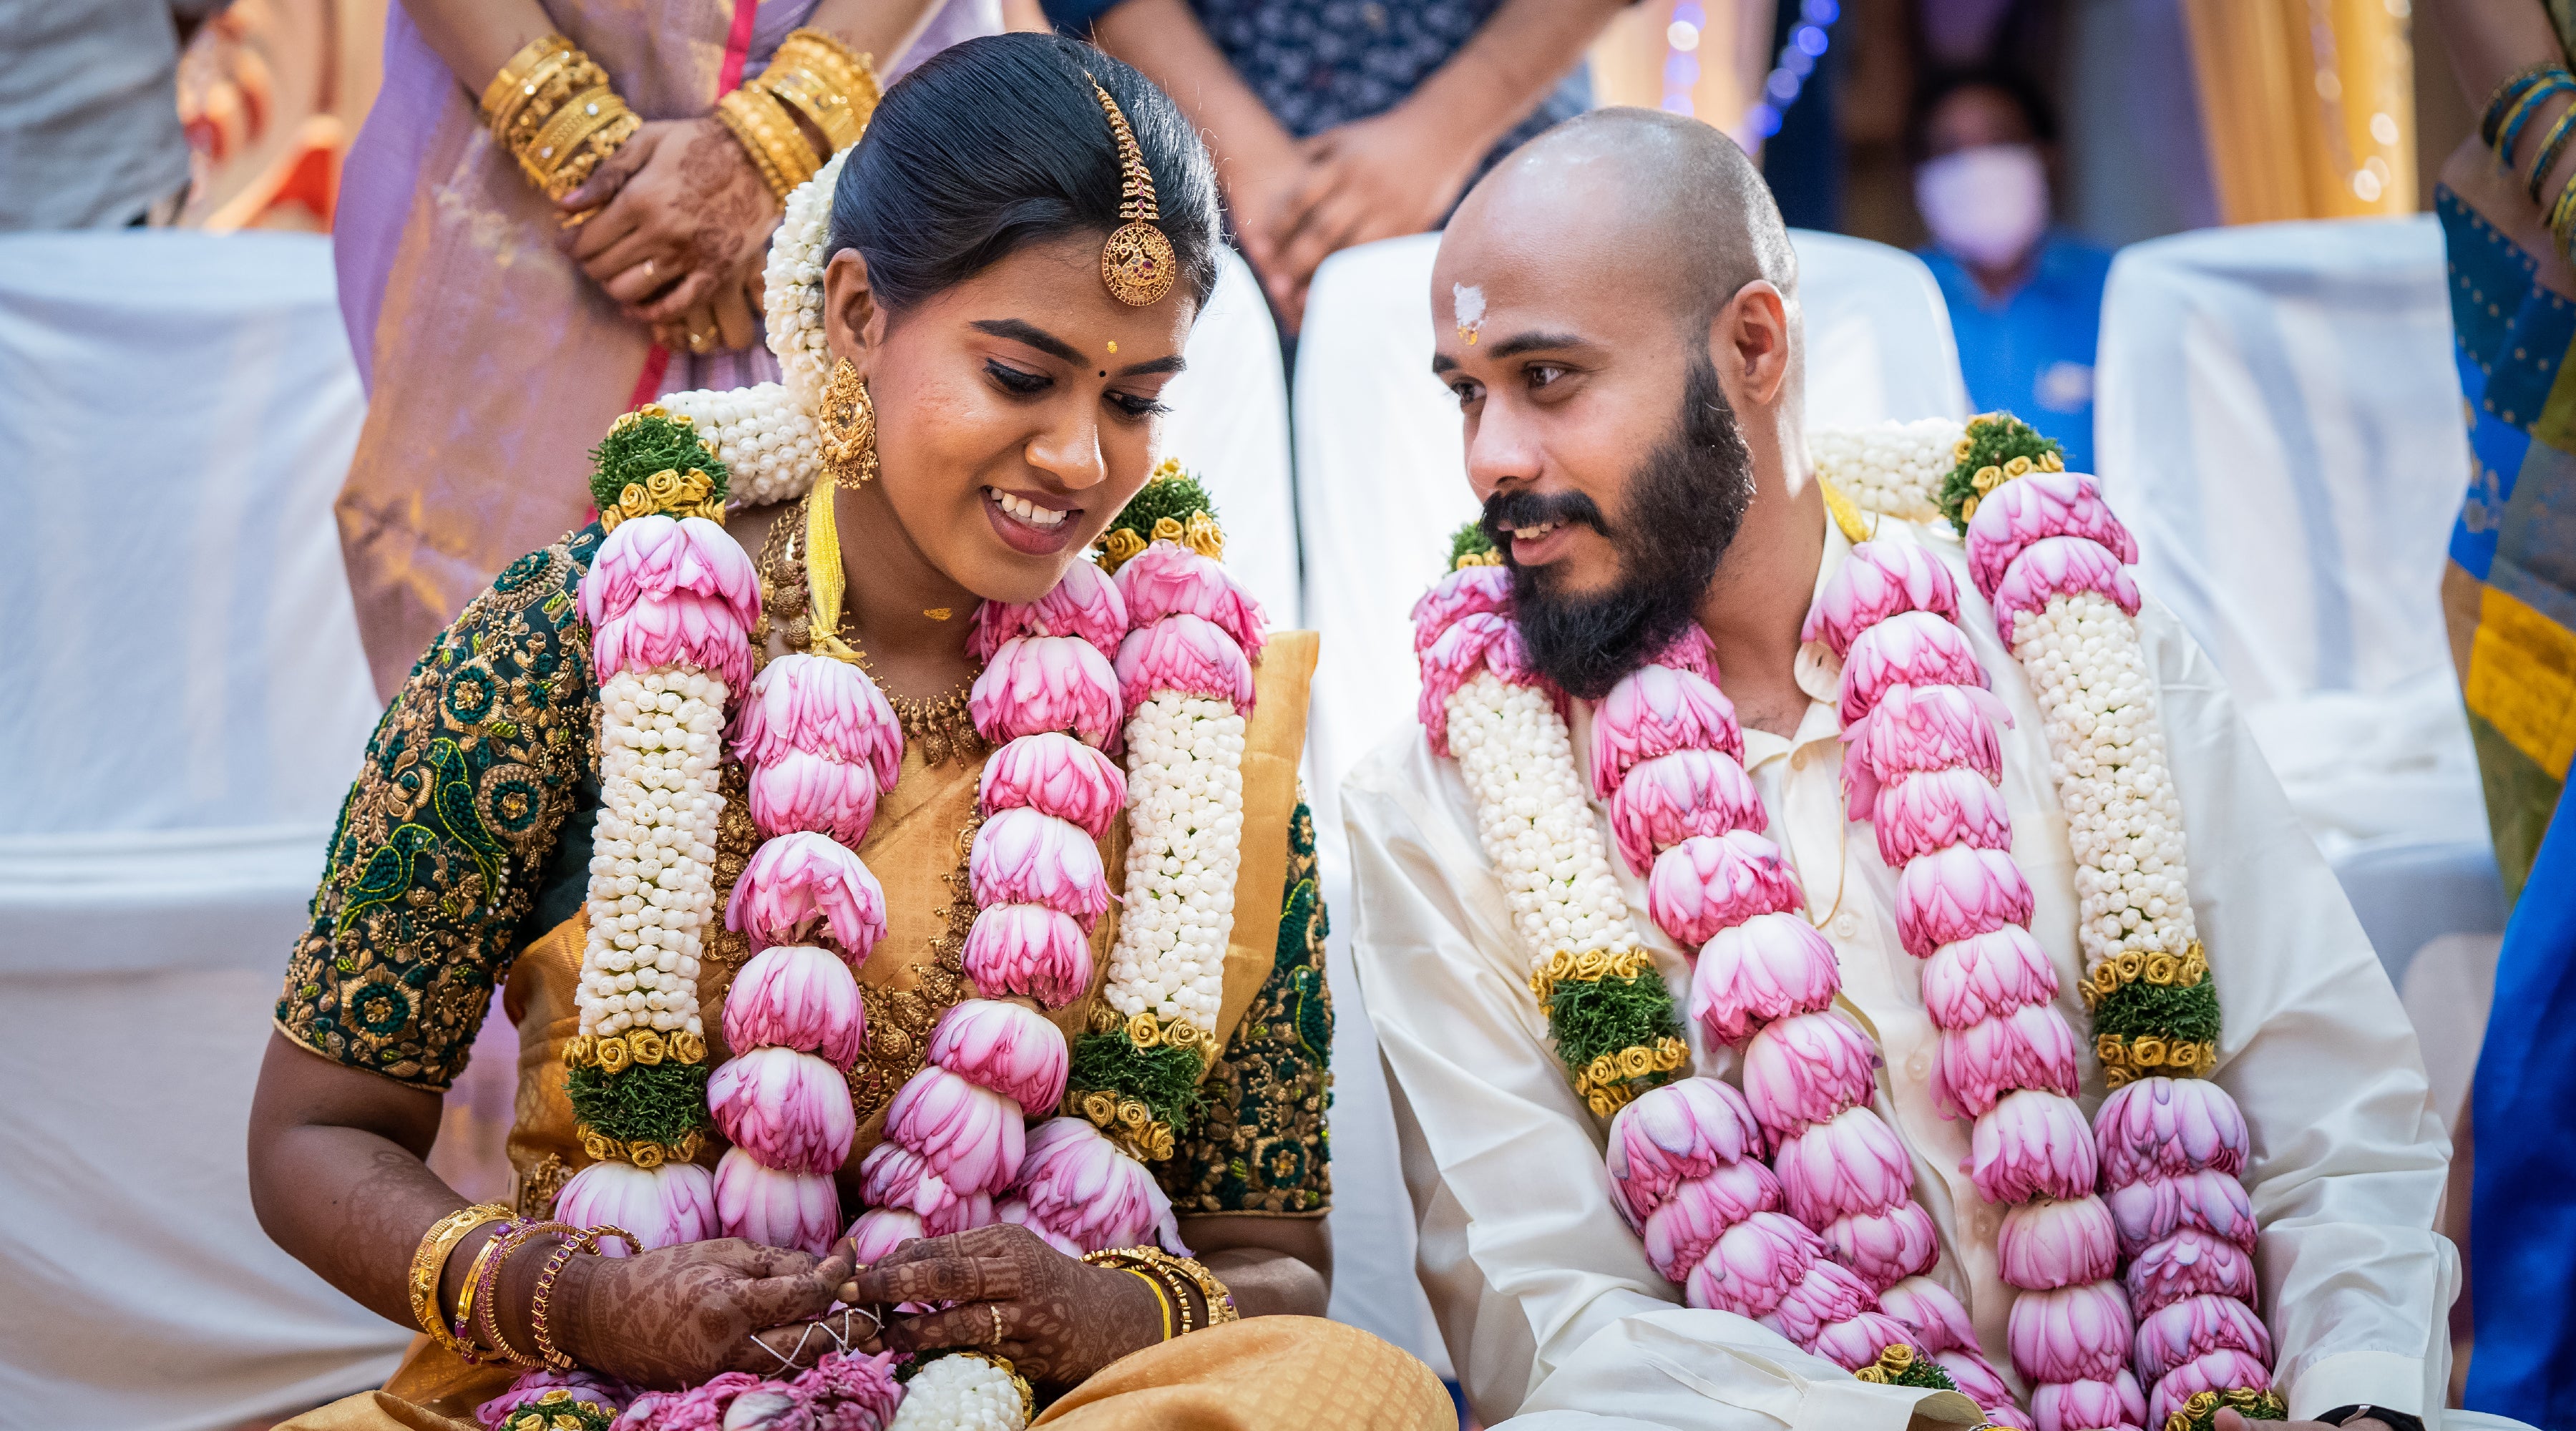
(514, 71)
(1162, 1298)
(777, 147)
(827, 81)
(805, 93)
(489, 1313)
(429, 1264)
(466, 1298)
(2562, 218)
(555, 79)
(1220, 1302)
(567, 127)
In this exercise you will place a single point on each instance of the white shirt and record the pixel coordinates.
(1547, 1301)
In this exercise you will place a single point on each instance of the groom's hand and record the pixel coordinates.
(674, 1317)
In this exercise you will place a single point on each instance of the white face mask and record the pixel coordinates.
(1988, 205)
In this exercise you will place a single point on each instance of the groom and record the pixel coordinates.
(1617, 312)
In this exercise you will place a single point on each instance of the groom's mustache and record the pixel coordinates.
(1521, 507)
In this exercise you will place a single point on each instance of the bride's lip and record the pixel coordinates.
(1022, 535)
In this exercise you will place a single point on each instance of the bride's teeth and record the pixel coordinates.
(1026, 510)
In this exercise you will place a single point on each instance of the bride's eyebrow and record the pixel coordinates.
(1022, 331)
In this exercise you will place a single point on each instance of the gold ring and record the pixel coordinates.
(699, 342)
(996, 1309)
(648, 268)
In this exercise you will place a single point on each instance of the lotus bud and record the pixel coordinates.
(1055, 774)
(822, 707)
(1769, 967)
(790, 1110)
(1691, 651)
(896, 1178)
(1015, 1211)
(1806, 1069)
(1023, 857)
(2209, 1200)
(1166, 579)
(1468, 591)
(1684, 1129)
(801, 790)
(2070, 1333)
(697, 632)
(967, 1213)
(1924, 812)
(1752, 1265)
(1709, 882)
(1912, 648)
(1656, 710)
(798, 1211)
(2190, 1263)
(1856, 1342)
(971, 1137)
(771, 1406)
(1982, 1384)
(2032, 1144)
(1456, 656)
(1986, 976)
(1934, 1317)
(2166, 1127)
(2031, 1047)
(802, 883)
(1008, 1048)
(1915, 729)
(1078, 1186)
(662, 1206)
(2048, 1243)
(1030, 950)
(1187, 656)
(1958, 893)
(2179, 1331)
(2225, 1369)
(1043, 683)
(2060, 566)
(654, 557)
(1679, 1233)
(1085, 604)
(1670, 798)
(800, 997)
(2032, 509)
(1883, 1248)
(1826, 1294)
(2086, 1405)
(1878, 580)
(852, 1392)
(1850, 1163)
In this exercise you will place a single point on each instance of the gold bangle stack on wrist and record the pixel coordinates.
(1178, 1276)
(429, 1264)
(813, 77)
(551, 106)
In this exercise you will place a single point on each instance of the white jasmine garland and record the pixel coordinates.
(758, 432)
(1893, 468)
(1185, 844)
(2088, 673)
(966, 1393)
(652, 866)
(1517, 758)
(792, 298)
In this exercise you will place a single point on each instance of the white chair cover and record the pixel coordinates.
(2280, 425)
(1381, 484)
(183, 697)
(1229, 426)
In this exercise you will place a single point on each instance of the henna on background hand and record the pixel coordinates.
(676, 1316)
(1059, 1319)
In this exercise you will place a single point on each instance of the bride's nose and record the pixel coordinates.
(1069, 452)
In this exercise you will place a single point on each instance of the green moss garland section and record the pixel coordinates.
(1592, 1017)
(1469, 541)
(1164, 1078)
(1926, 1373)
(2177, 1015)
(2272, 1412)
(1993, 440)
(1176, 496)
(636, 450)
(652, 1103)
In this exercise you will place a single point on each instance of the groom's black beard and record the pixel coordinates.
(1684, 505)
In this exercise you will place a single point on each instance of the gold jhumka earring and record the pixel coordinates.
(1137, 262)
(847, 425)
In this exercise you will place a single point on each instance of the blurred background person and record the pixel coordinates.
(89, 114)
(489, 333)
(2025, 297)
(1337, 122)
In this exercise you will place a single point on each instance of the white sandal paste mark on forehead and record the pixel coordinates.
(1469, 302)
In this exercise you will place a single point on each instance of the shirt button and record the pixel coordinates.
(1846, 925)
(1798, 761)
(1920, 1065)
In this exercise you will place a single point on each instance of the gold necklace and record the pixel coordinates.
(939, 726)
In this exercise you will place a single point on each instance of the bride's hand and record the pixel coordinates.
(676, 1316)
(1058, 1319)
(681, 212)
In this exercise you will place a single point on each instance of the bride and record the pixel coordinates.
(882, 827)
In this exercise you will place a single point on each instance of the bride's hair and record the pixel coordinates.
(999, 143)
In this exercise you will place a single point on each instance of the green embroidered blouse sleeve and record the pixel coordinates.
(1260, 1145)
(448, 830)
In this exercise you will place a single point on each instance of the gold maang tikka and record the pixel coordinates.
(1137, 262)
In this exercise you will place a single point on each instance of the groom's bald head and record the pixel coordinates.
(1614, 306)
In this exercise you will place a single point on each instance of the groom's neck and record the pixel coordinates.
(1757, 603)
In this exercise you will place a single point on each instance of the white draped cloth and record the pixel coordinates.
(1546, 1300)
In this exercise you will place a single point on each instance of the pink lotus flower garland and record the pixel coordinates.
(2047, 551)
(670, 603)
(1685, 1158)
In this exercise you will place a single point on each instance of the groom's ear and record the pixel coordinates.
(1748, 345)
